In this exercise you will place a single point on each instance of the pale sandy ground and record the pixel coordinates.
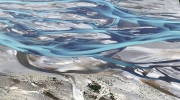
(20, 83)
(169, 9)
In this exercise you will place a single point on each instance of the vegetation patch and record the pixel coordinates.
(15, 81)
(92, 96)
(95, 87)
(102, 98)
(112, 96)
(50, 95)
